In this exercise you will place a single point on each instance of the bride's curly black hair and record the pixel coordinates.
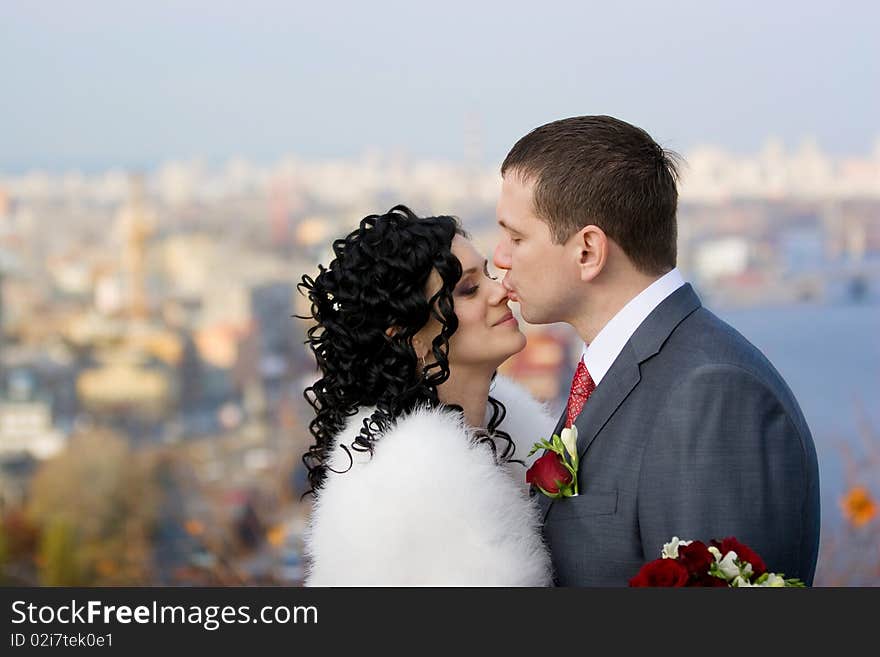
(377, 280)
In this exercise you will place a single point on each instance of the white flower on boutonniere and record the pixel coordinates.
(670, 549)
(569, 438)
(555, 473)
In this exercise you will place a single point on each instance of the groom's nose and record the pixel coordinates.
(501, 256)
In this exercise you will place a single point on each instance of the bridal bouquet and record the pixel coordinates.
(723, 563)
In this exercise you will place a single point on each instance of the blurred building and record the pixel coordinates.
(26, 426)
(272, 310)
(26, 437)
(544, 366)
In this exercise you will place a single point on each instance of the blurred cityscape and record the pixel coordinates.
(151, 371)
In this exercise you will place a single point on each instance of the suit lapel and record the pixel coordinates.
(608, 395)
(617, 383)
(544, 504)
(625, 373)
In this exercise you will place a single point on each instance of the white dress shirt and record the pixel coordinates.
(601, 353)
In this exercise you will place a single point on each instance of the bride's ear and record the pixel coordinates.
(421, 348)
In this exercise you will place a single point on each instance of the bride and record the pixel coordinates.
(418, 465)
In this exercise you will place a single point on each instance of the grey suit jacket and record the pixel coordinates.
(691, 433)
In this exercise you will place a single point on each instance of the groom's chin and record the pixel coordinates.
(529, 317)
(538, 317)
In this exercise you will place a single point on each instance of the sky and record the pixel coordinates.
(94, 84)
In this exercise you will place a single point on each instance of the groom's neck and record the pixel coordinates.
(606, 296)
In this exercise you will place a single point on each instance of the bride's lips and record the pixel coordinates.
(505, 320)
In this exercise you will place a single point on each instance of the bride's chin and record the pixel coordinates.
(506, 352)
(518, 346)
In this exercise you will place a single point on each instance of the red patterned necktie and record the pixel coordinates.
(582, 387)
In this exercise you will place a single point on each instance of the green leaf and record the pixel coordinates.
(716, 571)
(555, 496)
(543, 444)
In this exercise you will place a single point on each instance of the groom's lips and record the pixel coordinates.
(511, 293)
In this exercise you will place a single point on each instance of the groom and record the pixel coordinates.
(684, 428)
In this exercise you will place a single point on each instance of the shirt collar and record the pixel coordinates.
(600, 354)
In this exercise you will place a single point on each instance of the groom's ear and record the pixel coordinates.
(592, 243)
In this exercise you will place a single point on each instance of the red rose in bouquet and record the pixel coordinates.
(726, 562)
(708, 581)
(696, 558)
(661, 572)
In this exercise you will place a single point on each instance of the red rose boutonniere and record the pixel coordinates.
(555, 473)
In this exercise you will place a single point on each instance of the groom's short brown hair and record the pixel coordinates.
(603, 171)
